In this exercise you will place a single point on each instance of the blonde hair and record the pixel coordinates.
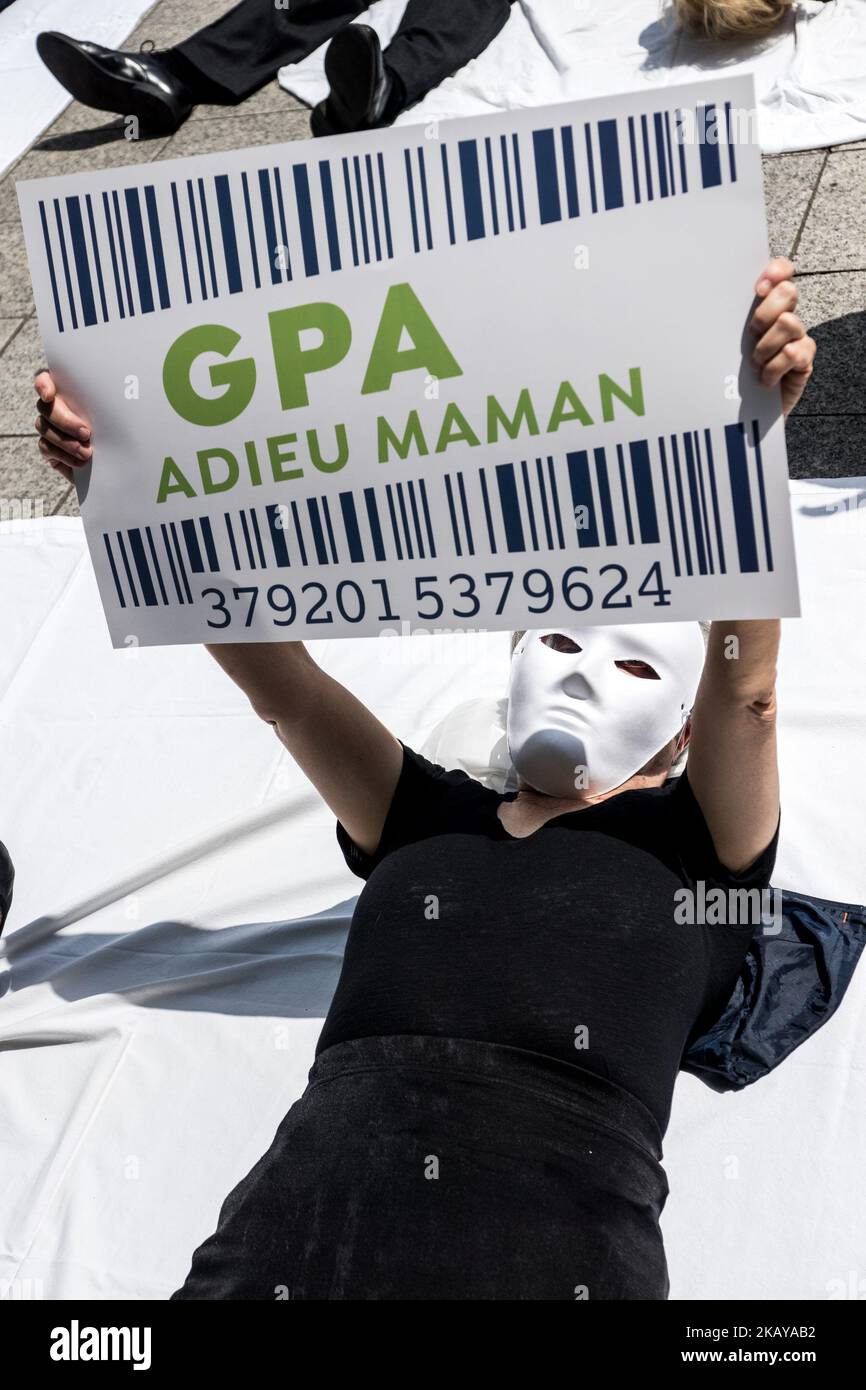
(729, 19)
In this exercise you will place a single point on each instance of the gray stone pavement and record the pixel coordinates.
(816, 211)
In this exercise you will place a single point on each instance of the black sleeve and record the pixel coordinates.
(427, 801)
(698, 858)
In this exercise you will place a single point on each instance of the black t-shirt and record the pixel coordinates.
(563, 942)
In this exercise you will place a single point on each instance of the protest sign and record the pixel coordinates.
(490, 373)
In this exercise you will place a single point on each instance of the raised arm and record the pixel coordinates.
(733, 768)
(351, 758)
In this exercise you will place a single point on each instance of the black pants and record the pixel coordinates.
(437, 1168)
(232, 58)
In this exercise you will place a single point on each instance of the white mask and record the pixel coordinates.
(578, 721)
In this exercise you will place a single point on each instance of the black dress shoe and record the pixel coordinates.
(132, 84)
(7, 877)
(362, 94)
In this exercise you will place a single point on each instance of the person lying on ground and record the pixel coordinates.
(495, 1074)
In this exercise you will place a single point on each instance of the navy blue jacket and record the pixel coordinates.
(790, 984)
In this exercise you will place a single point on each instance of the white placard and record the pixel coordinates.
(489, 373)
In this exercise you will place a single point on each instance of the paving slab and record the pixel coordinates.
(826, 446)
(22, 357)
(789, 183)
(833, 308)
(237, 132)
(26, 479)
(173, 20)
(8, 328)
(267, 99)
(834, 235)
(16, 294)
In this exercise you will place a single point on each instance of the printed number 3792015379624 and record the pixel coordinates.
(461, 598)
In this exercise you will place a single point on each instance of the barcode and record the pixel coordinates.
(191, 241)
(673, 492)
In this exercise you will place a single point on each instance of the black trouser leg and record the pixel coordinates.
(232, 58)
(436, 37)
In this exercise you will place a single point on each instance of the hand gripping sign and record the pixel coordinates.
(483, 374)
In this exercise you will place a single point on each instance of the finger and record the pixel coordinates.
(56, 463)
(794, 359)
(800, 357)
(45, 388)
(779, 268)
(65, 419)
(781, 299)
(79, 451)
(45, 422)
(787, 329)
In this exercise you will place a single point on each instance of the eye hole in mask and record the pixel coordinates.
(642, 669)
(558, 642)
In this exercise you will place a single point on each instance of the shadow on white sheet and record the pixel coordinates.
(153, 1045)
(810, 73)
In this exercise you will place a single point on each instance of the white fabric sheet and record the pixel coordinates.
(30, 98)
(810, 73)
(153, 1043)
